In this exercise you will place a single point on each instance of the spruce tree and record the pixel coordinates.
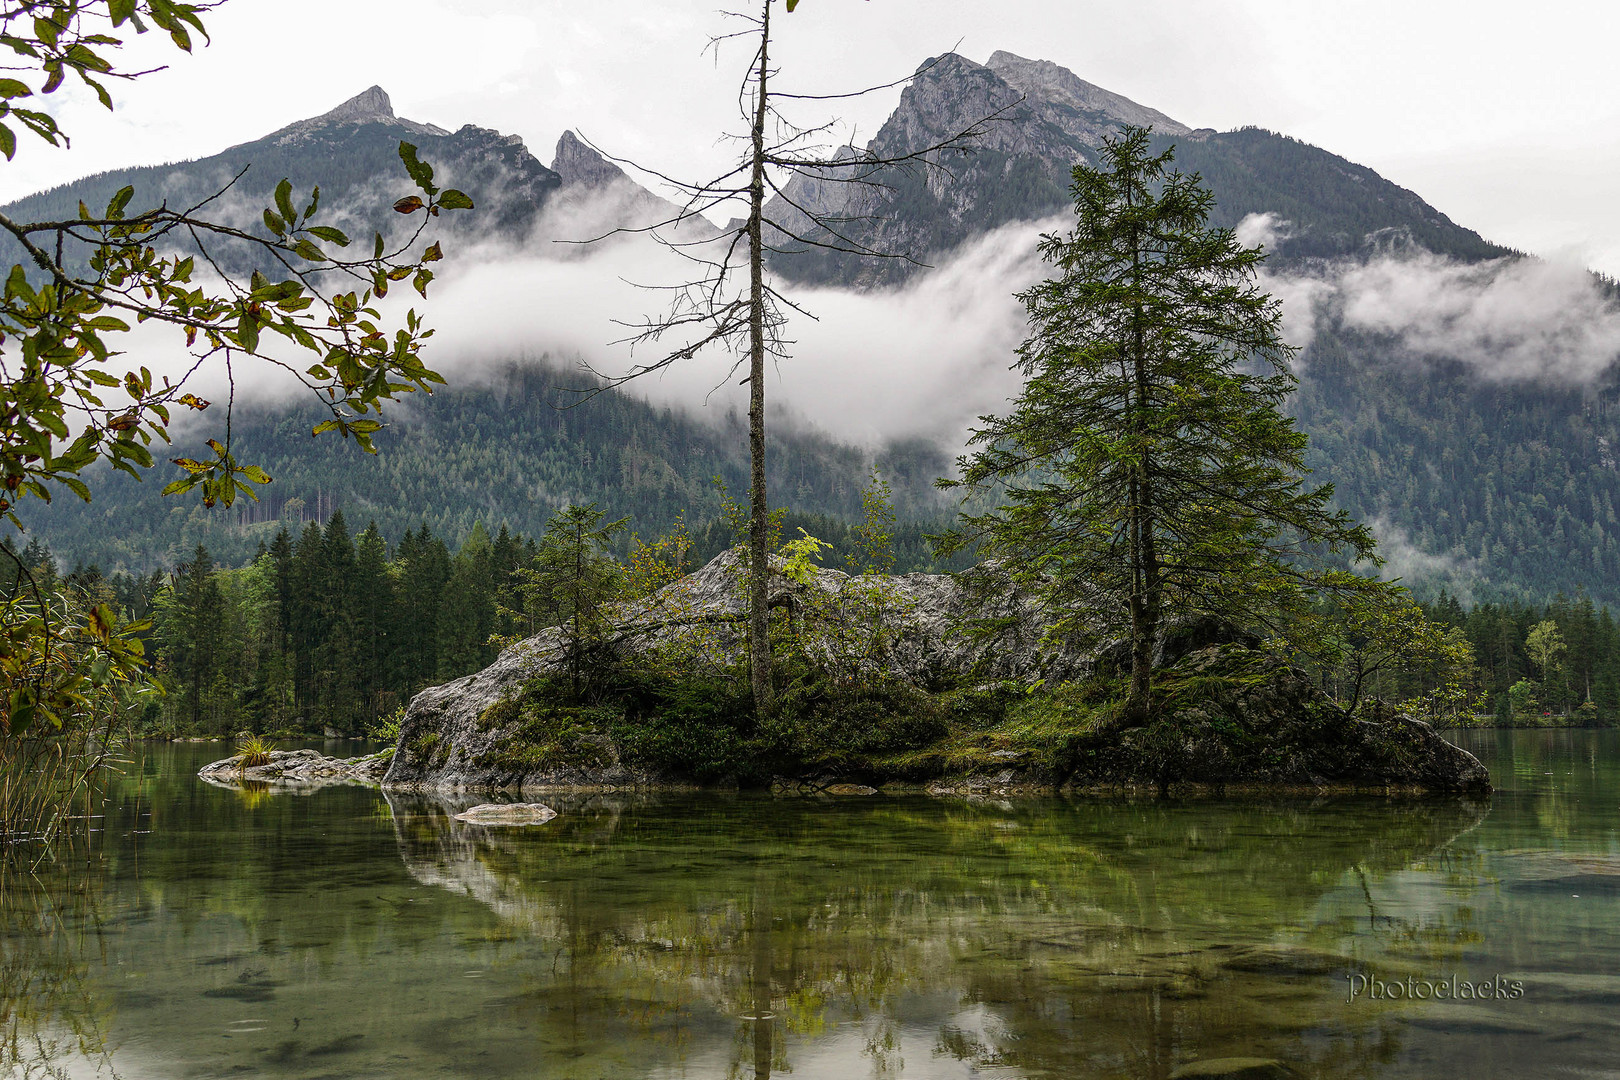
(338, 678)
(374, 610)
(1149, 471)
(572, 578)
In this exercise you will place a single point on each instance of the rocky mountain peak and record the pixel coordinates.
(1042, 80)
(579, 165)
(370, 104)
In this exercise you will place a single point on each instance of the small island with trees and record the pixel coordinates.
(1157, 571)
(1160, 599)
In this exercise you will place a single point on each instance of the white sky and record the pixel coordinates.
(1504, 116)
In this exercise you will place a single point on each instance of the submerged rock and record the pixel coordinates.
(1235, 1068)
(507, 814)
(301, 768)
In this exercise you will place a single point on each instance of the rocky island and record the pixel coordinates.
(887, 689)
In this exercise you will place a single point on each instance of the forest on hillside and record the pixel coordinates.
(328, 630)
(1499, 492)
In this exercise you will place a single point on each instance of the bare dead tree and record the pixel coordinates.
(730, 301)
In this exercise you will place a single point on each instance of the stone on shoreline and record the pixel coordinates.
(300, 768)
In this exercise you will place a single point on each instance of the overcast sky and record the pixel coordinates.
(1505, 116)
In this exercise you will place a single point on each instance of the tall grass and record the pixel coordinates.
(71, 675)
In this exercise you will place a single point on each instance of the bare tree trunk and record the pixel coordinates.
(759, 569)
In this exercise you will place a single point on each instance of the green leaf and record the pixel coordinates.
(11, 88)
(255, 474)
(247, 332)
(329, 234)
(115, 208)
(284, 201)
(120, 10)
(314, 203)
(273, 222)
(421, 172)
(8, 142)
(101, 91)
(377, 253)
(454, 200)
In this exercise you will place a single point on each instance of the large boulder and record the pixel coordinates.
(1252, 721)
(907, 627)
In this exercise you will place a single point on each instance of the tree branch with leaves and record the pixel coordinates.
(68, 403)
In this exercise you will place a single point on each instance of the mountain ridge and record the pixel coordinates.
(1504, 488)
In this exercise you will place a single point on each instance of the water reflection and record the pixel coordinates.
(917, 937)
(217, 932)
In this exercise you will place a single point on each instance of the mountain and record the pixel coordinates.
(352, 153)
(1043, 120)
(597, 197)
(1496, 481)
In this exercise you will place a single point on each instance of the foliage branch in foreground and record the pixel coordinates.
(66, 402)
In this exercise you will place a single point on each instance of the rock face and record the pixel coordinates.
(445, 746)
(597, 197)
(299, 768)
(370, 106)
(1042, 80)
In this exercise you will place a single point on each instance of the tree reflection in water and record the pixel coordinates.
(335, 933)
(1088, 939)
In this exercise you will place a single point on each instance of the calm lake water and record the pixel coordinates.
(348, 933)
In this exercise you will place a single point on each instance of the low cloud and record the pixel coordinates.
(1262, 230)
(1508, 319)
(924, 360)
(1416, 568)
(921, 361)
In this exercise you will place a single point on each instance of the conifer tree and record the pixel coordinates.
(374, 616)
(1150, 471)
(195, 620)
(467, 608)
(571, 578)
(337, 679)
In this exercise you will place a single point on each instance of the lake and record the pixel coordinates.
(346, 932)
